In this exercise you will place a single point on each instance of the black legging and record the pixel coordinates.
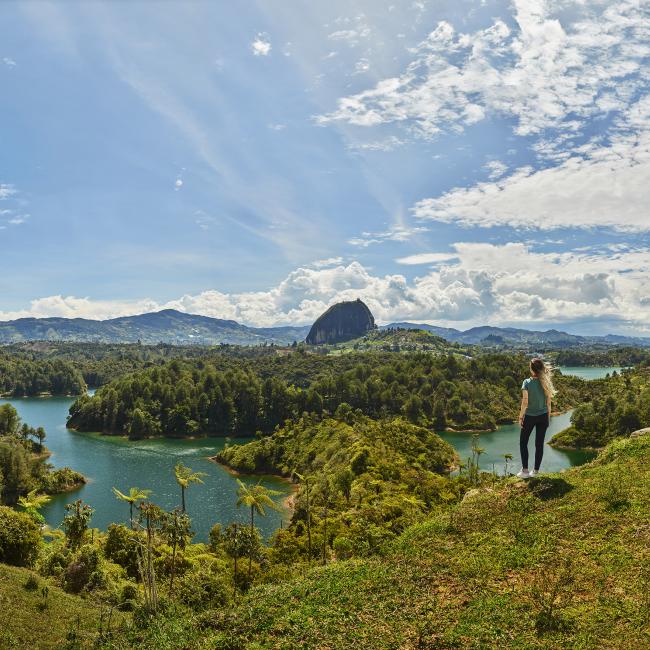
(540, 424)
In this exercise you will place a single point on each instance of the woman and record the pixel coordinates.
(535, 413)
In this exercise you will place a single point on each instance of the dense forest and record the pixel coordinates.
(611, 356)
(229, 396)
(21, 376)
(620, 405)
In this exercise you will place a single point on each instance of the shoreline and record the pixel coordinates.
(289, 501)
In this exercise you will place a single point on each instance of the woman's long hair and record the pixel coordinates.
(544, 373)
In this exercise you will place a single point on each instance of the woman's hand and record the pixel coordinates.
(521, 420)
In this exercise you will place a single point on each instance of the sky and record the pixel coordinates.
(459, 162)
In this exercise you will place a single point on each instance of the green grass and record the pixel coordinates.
(562, 562)
(28, 619)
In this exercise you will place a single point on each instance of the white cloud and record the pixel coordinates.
(482, 283)
(544, 73)
(6, 191)
(178, 183)
(602, 186)
(495, 169)
(261, 46)
(395, 233)
(8, 61)
(330, 261)
(426, 258)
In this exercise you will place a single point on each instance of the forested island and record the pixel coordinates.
(235, 396)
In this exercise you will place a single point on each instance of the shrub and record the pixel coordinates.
(343, 547)
(121, 547)
(54, 560)
(200, 590)
(20, 538)
(84, 571)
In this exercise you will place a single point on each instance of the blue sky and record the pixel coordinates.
(456, 162)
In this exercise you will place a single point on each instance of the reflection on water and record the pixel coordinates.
(109, 461)
(505, 440)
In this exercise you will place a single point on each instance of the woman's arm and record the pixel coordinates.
(548, 406)
(524, 406)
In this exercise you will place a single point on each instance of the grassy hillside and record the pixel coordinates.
(556, 562)
(30, 618)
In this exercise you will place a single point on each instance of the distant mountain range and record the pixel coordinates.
(166, 326)
(171, 326)
(515, 337)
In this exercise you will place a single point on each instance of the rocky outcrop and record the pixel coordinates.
(342, 322)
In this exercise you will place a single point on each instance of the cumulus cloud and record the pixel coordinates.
(480, 283)
(178, 183)
(261, 46)
(9, 62)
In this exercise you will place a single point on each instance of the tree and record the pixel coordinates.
(185, 476)
(40, 435)
(257, 498)
(305, 480)
(152, 516)
(20, 538)
(135, 494)
(176, 528)
(343, 481)
(9, 420)
(235, 544)
(32, 503)
(75, 523)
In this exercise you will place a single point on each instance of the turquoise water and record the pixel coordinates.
(108, 461)
(505, 440)
(590, 372)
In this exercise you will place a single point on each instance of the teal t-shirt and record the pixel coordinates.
(536, 396)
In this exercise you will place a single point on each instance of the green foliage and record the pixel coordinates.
(84, 570)
(621, 406)
(21, 376)
(75, 523)
(201, 590)
(121, 547)
(225, 395)
(20, 538)
(368, 480)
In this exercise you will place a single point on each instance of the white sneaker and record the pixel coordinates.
(523, 473)
(533, 472)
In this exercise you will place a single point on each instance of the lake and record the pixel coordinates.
(589, 372)
(505, 440)
(108, 461)
(113, 461)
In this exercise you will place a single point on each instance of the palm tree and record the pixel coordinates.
(185, 476)
(135, 494)
(32, 503)
(257, 498)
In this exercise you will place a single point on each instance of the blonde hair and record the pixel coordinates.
(544, 372)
